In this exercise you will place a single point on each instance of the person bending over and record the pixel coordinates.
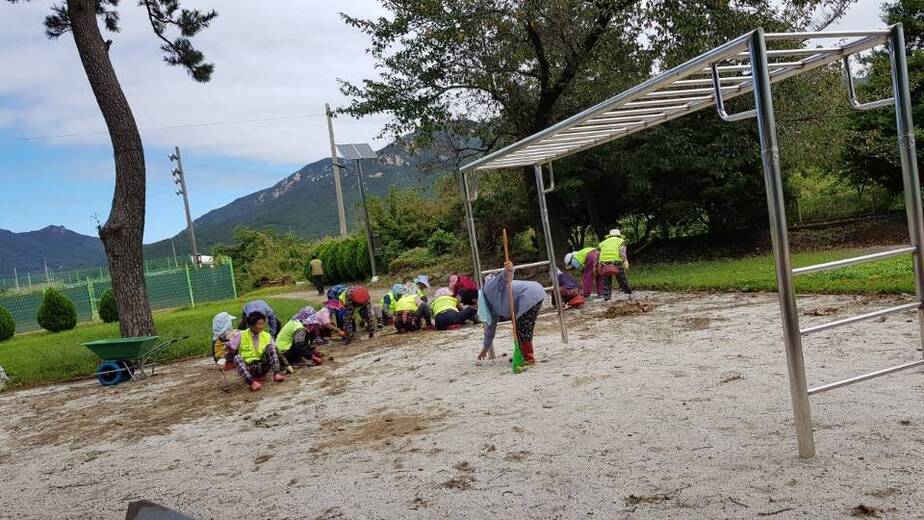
(494, 306)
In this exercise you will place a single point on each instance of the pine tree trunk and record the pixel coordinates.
(123, 232)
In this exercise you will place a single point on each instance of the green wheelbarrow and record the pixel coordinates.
(127, 358)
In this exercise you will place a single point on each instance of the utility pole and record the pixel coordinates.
(369, 243)
(45, 263)
(179, 177)
(16, 277)
(336, 167)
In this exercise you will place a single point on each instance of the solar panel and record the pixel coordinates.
(354, 152)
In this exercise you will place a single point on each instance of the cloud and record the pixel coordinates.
(282, 58)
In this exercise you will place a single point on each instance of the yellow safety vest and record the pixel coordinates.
(581, 256)
(286, 335)
(247, 350)
(443, 304)
(407, 303)
(610, 249)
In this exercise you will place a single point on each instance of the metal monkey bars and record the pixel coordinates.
(736, 68)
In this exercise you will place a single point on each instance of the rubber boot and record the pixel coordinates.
(255, 385)
(278, 378)
(527, 349)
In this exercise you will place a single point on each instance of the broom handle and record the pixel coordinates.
(513, 312)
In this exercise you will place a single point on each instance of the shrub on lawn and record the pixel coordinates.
(441, 242)
(56, 313)
(7, 325)
(108, 310)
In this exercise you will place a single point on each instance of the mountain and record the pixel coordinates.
(57, 245)
(304, 203)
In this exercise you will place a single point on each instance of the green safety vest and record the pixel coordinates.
(609, 249)
(287, 335)
(407, 303)
(581, 256)
(443, 304)
(247, 350)
(392, 301)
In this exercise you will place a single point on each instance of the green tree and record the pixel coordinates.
(872, 151)
(515, 67)
(123, 232)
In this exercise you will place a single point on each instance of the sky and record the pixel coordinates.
(271, 63)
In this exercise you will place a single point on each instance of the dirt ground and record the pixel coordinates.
(671, 406)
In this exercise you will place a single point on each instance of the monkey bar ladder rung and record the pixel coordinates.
(741, 66)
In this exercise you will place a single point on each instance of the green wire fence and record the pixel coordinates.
(173, 286)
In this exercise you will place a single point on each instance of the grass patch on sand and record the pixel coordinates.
(757, 273)
(42, 357)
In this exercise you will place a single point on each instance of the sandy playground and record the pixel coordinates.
(672, 406)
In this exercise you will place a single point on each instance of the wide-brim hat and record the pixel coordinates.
(614, 233)
(423, 279)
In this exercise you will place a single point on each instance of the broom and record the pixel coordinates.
(518, 363)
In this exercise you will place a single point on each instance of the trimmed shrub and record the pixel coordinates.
(108, 309)
(56, 313)
(411, 259)
(441, 242)
(7, 324)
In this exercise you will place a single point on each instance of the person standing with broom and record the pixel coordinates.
(503, 298)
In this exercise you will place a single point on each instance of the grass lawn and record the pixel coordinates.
(757, 273)
(43, 357)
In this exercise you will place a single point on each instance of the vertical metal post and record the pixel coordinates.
(16, 278)
(29, 277)
(773, 176)
(550, 250)
(341, 214)
(93, 309)
(233, 282)
(470, 222)
(192, 300)
(368, 224)
(908, 154)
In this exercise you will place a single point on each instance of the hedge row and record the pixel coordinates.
(344, 259)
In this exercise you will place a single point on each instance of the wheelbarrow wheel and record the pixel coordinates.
(112, 373)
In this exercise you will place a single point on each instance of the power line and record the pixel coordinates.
(158, 128)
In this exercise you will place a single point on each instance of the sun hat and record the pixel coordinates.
(424, 279)
(398, 289)
(221, 324)
(443, 291)
(568, 258)
(615, 232)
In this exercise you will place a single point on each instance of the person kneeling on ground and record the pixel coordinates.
(409, 312)
(295, 342)
(448, 312)
(385, 311)
(356, 297)
(494, 306)
(325, 329)
(422, 283)
(254, 353)
(464, 289)
(222, 333)
(260, 306)
(569, 289)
